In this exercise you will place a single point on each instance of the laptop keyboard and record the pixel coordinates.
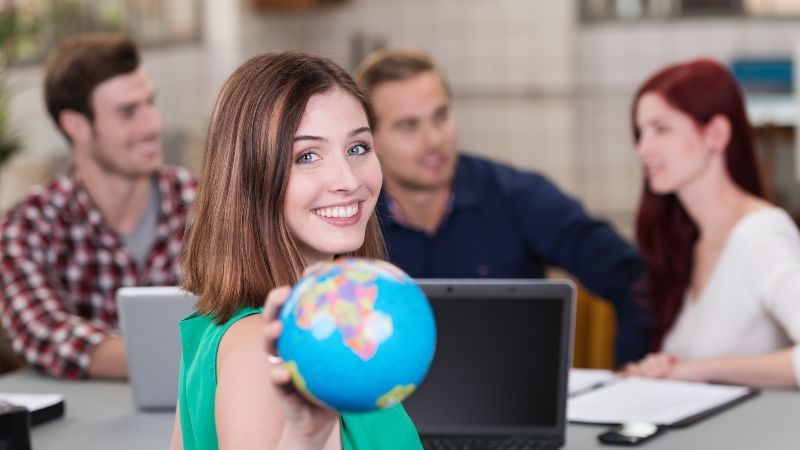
(470, 443)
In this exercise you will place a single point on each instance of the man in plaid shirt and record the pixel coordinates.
(116, 219)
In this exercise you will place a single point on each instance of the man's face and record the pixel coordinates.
(416, 133)
(126, 131)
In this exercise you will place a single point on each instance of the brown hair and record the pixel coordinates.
(239, 246)
(394, 65)
(78, 64)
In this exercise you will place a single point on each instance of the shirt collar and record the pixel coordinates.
(83, 208)
(396, 215)
(464, 194)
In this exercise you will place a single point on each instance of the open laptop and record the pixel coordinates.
(499, 375)
(149, 319)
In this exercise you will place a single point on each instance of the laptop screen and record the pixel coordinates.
(500, 363)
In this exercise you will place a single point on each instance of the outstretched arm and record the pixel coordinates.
(177, 436)
(558, 228)
(256, 404)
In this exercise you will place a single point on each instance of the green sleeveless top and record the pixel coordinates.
(200, 337)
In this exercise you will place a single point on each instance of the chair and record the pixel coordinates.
(595, 328)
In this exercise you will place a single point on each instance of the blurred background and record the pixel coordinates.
(541, 84)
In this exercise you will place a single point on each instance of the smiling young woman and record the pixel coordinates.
(289, 180)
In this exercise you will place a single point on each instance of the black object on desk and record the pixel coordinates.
(633, 433)
(15, 427)
(42, 407)
(44, 414)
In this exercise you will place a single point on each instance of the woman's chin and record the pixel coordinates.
(660, 188)
(343, 248)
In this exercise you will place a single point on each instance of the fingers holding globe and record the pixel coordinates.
(358, 335)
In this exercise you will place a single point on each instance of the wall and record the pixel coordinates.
(510, 64)
(187, 78)
(614, 58)
(532, 86)
(184, 97)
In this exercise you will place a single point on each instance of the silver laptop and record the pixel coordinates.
(499, 375)
(149, 319)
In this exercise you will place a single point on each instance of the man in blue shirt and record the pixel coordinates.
(446, 214)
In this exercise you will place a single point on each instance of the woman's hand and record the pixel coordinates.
(307, 423)
(654, 365)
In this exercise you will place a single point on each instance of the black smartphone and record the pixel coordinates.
(633, 433)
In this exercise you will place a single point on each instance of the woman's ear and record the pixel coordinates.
(717, 133)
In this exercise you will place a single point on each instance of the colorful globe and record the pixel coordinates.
(358, 335)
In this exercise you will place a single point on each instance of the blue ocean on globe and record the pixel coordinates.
(358, 335)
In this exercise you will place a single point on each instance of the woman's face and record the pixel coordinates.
(335, 177)
(671, 145)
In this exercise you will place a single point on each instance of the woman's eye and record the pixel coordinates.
(306, 158)
(359, 149)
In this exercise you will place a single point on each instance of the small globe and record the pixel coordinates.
(358, 335)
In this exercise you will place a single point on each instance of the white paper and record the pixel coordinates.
(583, 379)
(658, 401)
(33, 402)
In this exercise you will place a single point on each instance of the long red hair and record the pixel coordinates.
(666, 235)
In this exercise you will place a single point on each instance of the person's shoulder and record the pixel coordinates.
(245, 327)
(765, 220)
(768, 234)
(507, 178)
(180, 182)
(482, 166)
(242, 340)
(42, 202)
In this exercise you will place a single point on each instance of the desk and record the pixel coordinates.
(101, 415)
(770, 421)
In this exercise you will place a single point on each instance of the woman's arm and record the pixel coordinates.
(177, 437)
(256, 404)
(769, 370)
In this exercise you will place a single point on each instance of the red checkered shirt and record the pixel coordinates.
(61, 265)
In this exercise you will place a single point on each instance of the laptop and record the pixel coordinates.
(499, 375)
(149, 317)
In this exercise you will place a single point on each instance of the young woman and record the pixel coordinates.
(723, 263)
(289, 180)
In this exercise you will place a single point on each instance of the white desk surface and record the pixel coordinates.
(101, 415)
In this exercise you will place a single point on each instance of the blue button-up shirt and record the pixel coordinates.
(506, 223)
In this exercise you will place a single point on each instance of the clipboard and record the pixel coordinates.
(691, 420)
(666, 403)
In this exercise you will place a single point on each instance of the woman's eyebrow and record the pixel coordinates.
(306, 137)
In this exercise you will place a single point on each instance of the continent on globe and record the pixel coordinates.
(346, 302)
(395, 396)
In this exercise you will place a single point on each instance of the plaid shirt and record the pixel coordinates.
(61, 265)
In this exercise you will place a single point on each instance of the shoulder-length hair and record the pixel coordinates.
(665, 233)
(239, 246)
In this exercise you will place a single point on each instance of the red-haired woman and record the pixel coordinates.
(723, 263)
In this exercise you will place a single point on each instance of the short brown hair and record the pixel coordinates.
(78, 64)
(394, 65)
(239, 246)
